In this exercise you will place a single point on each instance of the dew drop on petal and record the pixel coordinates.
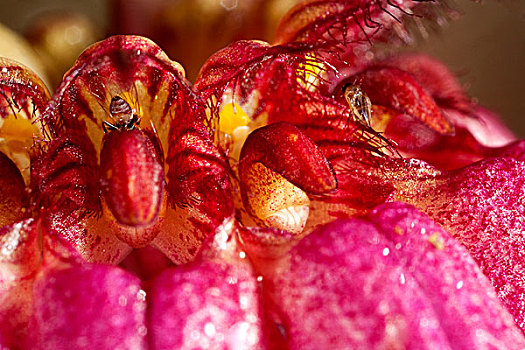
(141, 295)
(209, 329)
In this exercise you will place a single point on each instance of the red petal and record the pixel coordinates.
(400, 91)
(25, 87)
(435, 77)
(65, 181)
(341, 23)
(158, 94)
(20, 260)
(199, 189)
(12, 187)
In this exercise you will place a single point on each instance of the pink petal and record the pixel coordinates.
(89, 307)
(206, 305)
(482, 206)
(396, 281)
(338, 290)
(463, 299)
(485, 126)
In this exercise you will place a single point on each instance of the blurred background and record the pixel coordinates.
(485, 46)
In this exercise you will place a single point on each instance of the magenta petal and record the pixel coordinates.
(339, 290)
(205, 306)
(89, 307)
(483, 206)
(467, 306)
(397, 281)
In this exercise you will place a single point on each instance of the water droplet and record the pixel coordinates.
(386, 251)
(459, 285)
(402, 279)
(209, 329)
(242, 255)
(259, 278)
(141, 295)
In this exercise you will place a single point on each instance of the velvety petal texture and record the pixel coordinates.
(89, 306)
(482, 206)
(206, 305)
(437, 297)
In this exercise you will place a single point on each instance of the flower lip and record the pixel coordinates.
(278, 168)
(283, 148)
(132, 178)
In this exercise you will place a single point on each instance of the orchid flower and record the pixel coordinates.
(300, 195)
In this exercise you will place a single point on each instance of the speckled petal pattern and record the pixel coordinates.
(89, 307)
(383, 283)
(206, 305)
(483, 206)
